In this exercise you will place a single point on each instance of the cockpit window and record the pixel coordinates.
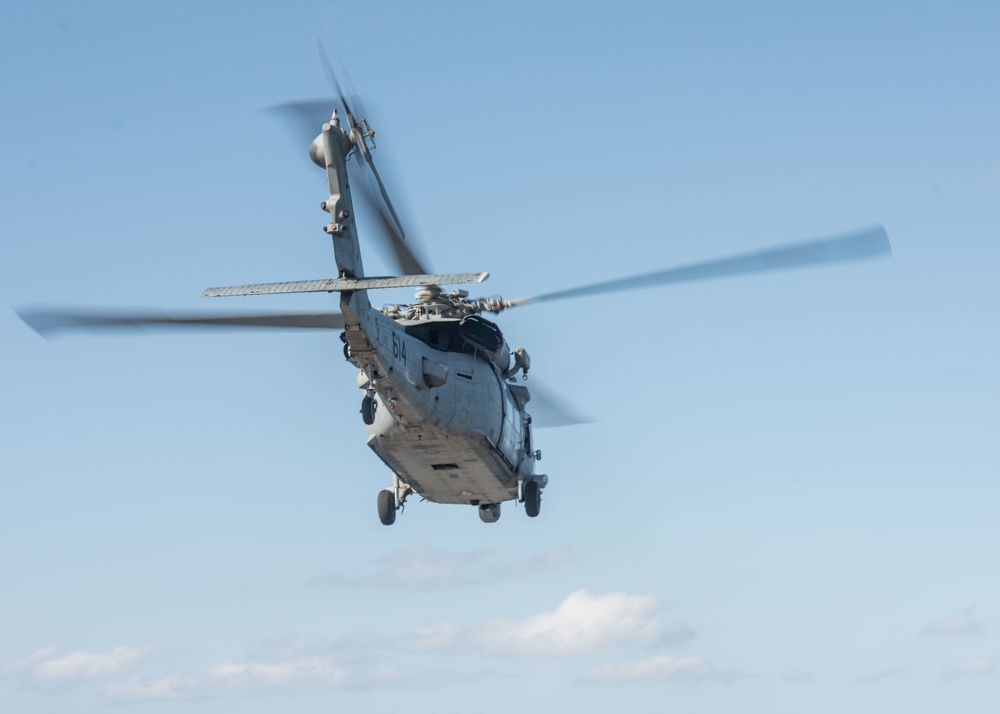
(481, 333)
(439, 334)
(470, 334)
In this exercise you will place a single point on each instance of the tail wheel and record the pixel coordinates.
(387, 507)
(532, 498)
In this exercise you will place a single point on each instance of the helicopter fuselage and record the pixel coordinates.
(439, 406)
(446, 420)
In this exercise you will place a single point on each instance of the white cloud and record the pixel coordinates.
(311, 671)
(46, 666)
(977, 667)
(960, 624)
(658, 668)
(581, 624)
(422, 567)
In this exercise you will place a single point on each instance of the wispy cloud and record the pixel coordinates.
(47, 667)
(977, 667)
(658, 668)
(436, 638)
(248, 678)
(234, 679)
(422, 567)
(961, 624)
(884, 674)
(284, 648)
(581, 624)
(674, 635)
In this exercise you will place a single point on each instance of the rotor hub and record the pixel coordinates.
(428, 294)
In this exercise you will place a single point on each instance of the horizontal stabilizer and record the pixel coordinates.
(330, 285)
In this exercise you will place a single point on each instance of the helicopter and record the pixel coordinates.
(445, 405)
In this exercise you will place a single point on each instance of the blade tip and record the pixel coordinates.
(879, 240)
(42, 323)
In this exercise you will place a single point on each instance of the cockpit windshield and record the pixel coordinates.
(470, 334)
(439, 334)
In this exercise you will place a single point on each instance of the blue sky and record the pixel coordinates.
(788, 501)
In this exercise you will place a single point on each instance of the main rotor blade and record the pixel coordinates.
(48, 321)
(867, 243)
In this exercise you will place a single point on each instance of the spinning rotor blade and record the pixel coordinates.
(303, 120)
(549, 410)
(861, 245)
(395, 223)
(332, 79)
(405, 259)
(358, 136)
(46, 321)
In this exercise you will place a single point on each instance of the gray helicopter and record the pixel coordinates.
(445, 405)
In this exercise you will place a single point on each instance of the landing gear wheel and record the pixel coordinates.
(368, 407)
(489, 512)
(532, 498)
(387, 507)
